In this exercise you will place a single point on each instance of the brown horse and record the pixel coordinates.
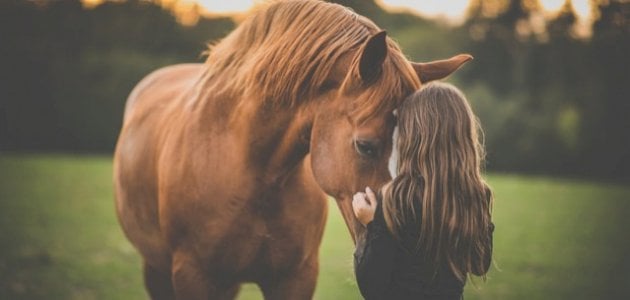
(222, 168)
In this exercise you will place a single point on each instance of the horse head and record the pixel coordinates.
(351, 135)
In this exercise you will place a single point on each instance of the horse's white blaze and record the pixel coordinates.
(393, 158)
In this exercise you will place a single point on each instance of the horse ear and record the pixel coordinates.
(372, 57)
(440, 68)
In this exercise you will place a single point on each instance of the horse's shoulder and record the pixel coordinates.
(165, 82)
(176, 70)
(171, 75)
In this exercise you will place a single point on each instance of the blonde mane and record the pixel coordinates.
(284, 51)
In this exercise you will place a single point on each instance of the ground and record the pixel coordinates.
(59, 238)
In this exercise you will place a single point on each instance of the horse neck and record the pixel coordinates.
(275, 139)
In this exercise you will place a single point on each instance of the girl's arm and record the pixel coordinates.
(374, 259)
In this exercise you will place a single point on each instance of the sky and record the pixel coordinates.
(432, 8)
(451, 10)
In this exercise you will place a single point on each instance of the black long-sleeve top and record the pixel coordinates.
(386, 269)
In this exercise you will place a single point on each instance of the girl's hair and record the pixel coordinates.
(439, 173)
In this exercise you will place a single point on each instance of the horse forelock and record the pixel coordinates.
(284, 51)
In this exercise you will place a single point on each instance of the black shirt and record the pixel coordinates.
(386, 269)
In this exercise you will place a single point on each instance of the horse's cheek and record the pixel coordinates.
(321, 165)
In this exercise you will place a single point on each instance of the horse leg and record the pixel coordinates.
(158, 283)
(299, 284)
(191, 282)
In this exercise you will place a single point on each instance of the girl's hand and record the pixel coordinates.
(364, 206)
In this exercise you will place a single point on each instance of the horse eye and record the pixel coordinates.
(366, 148)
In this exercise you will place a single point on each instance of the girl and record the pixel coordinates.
(430, 226)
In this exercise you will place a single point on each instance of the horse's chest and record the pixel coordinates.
(274, 238)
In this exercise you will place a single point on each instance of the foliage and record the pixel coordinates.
(67, 71)
(570, 90)
(554, 239)
(550, 101)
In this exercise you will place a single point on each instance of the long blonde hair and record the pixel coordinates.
(439, 167)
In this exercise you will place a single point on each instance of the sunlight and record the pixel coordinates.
(582, 7)
(225, 7)
(92, 3)
(552, 5)
(456, 9)
(453, 10)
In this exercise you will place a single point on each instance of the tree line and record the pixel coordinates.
(550, 101)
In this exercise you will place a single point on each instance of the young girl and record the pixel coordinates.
(430, 226)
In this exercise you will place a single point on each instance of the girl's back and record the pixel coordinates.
(432, 227)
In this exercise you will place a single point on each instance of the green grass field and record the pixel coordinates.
(59, 238)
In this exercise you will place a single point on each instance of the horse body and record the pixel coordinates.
(220, 179)
(160, 157)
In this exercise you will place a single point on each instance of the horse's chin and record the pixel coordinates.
(356, 229)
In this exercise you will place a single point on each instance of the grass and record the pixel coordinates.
(59, 238)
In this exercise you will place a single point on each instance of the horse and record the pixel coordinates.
(222, 169)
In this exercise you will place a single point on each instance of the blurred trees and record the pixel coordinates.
(604, 99)
(565, 97)
(65, 71)
(550, 101)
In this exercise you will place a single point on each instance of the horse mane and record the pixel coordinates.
(284, 51)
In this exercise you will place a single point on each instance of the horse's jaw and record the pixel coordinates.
(357, 230)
